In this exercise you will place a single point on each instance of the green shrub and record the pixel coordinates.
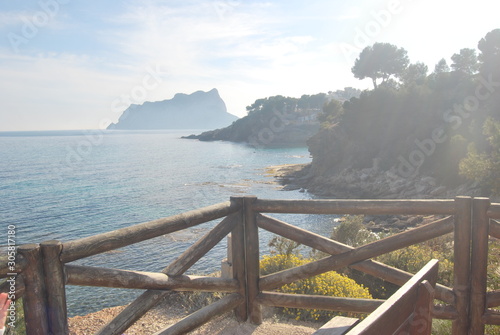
(443, 327)
(493, 276)
(414, 257)
(192, 301)
(20, 328)
(326, 284)
(353, 232)
(283, 246)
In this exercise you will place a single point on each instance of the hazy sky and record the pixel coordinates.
(74, 64)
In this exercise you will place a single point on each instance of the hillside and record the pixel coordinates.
(419, 136)
(199, 110)
(277, 121)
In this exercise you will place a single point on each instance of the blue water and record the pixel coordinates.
(66, 185)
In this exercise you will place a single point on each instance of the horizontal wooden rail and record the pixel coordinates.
(374, 249)
(204, 315)
(5, 268)
(494, 211)
(119, 238)
(376, 269)
(494, 228)
(339, 304)
(445, 312)
(491, 317)
(372, 207)
(5, 287)
(102, 277)
(493, 299)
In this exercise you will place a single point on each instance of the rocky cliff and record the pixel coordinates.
(335, 172)
(199, 110)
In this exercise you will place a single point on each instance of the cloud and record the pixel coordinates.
(56, 91)
(14, 18)
(245, 50)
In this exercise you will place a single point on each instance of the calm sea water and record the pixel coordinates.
(66, 185)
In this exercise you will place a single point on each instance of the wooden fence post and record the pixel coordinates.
(55, 287)
(461, 246)
(480, 233)
(252, 260)
(238, 262)
(35, 312)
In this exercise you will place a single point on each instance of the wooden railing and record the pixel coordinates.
(43, 270)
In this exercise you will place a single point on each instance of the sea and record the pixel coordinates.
(65, 185)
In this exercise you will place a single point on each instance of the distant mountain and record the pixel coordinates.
(199, 110)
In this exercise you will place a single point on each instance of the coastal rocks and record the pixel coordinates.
(387, 223)
(262, 132)
(373, 183)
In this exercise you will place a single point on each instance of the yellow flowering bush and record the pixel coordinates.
(326, 284)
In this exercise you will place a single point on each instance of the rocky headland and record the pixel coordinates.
(199, 110)
(276, 121)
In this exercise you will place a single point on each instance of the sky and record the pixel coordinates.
(74, 64)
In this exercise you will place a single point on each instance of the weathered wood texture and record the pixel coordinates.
(468, 300)
(479, 264)
(319, 302)
(238, 262)
(204, 315)
(494, 228)
(150, 298)
(55, 279)
(461, 269)
(104, 277)
(444, 312)
(4, 265)
(366, 251)
(34, 301)
(494, 211)
(119, 238)
(252, 261)
(493, 299)
(492, 317)
(321, 243)
(338, 325)
(406, 310)
(342, 207)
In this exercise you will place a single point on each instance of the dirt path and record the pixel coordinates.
(165, 314)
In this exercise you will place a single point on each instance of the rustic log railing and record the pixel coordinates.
(43, 270)
(407, 311)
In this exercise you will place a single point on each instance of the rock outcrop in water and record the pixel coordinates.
(199, 110)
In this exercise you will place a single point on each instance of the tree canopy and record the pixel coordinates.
(441, 67)
(382, 60)
(465, 61)
(490, 53)
(414, 74)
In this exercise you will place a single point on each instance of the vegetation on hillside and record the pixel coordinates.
(278, 120)
(443, 124)
(286, 254)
